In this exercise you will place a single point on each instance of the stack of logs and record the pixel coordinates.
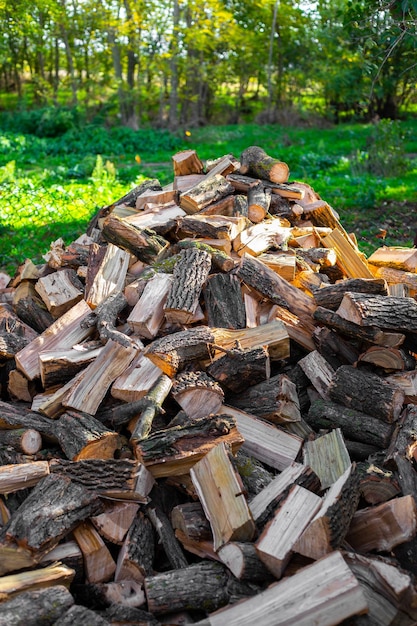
(208, 413)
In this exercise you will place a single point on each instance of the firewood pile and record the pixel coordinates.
(208, 413)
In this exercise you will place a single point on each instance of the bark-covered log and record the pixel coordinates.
(220, 260)
(41, 607)
(81, 436)
(144, 243)
(135, 559)
(104, 318)
(152, 406)
(258, 202)
(209, 190)
(30, 308)
(197, 394)
(167, 538)
(331, 296)
(239, 369)
(224, 302)
(385, 312)
(255, 162)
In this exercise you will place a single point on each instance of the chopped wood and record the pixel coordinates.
(259, 238)
(331, 296)
(189, 275)
(197, 394)
(224, 303)
(148, 314)
(327, 456)
(395, 277)
(348, 258)
(21, 476)
(115, 521)
(136, 381)
(388, 359)
(186, 162)
(135, 560)
(386, 312)
(81, 436)
(209, 190)
(211, 226)
(258, 202)
(243, 561)
(318, 370)
(408, 383)
(98, 562)
(404, 259)
(144, 243)
(59, 366)
(60, 291)
(255, 162)
(25, 440)
(219, 249)
(110, 275)
(30, 307)
(239, 369)
(33, 607)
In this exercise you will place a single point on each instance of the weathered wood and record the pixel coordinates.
(19, 387)
(98, 562)
(318, 370)
(12, 417)
(327, 456)
(110, 275)
(147, 316)
(367, 392)
(395, 277)
(387, 359)
(289, 189)
(81, 436)
(258, 202)
(115, 521)
(336, 350)
(395, 257)
(224, 302)
(167, 538)
(220, 258)
(60, 291)
(255, 476)
(324, 414)
(386, 312)
(135, 559)
(22, 475)
(190, 519)
(64, 333)
(78, 614)
(256, 162)
(186, 162)
(134, 383)
(330, 297)
(312, 595)
(210, 189)
(40, 606)
(259, 238)
(243, 561)
(404, 439)
(383, 527)
(144, 243)
(152, 406)
(197, 394)
(59, 366)
(189, 276)
(408, 383)
(104, 318)
(238, 369)
(211, 226)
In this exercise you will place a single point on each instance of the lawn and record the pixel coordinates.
(50, 187)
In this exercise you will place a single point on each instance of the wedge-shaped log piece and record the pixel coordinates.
(190, 519)
(220, 492)
(367, 392)
(266, 442)
(60, 291)
(22, 475)
(238, 369)
(383, 527)
(189, 275)
(186, 162)
(282, 263)
(98, 562)
(115, 520)
(324, 414)
(59, 366)
(408, 383)
(395, 277)
(87, 393)
(15, 584)
(209, 190)
(36, 607)
(331, 296)
(163, 527)
(135, 559)
(254, 161)
(136, 381)
(173, 451)
(274, 399)
(318, 370)
(257, 239)
(324, 593)
(147, 316)
(327, 529)
(81, 436)
(266, 282)
(349, 258)
(398, 258)
(388, 359)
(272, 335)
(243, 561)
(386, 312)
(110, 275)
(30, 307)
(156, 216)
(144, 243)
(64, 333)
(276, 543)
(259, 200)
(164, 196)
(265, 503)
(212, 226)
(124, 479)
(197, 394)
(224, 303)
(328, 457)
(390, 591)
(51, 511)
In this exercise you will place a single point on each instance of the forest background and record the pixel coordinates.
(96, 95)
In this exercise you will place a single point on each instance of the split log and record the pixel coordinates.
(157, 217)
(318, 371)
(98, 562)
(324, 414)
(258, 202)
(404, 259)
(60, 291)
(209, 190)
(151, 407)
(223, 165)
(266, 442)
(255, 162)
(127, 593)
(189, 276)
(282, 263)
(12, 417)
(408, 383)
(330, 297)
(129, 200)
(274, 399)
(123, 479)
(383, 527)
(184, 182)
(59, 366)
(40, 606)
(311, 595)
(144, 243)
(349, 260)
(243, 561)
(395, 277)
(135, 559)
(109, 275)
(367, 392)
(64, 333)
(240, 204)
(317, 257)
(81, 436)
(166, 195)
(30, 308)
(255, 476)
(238, 369)
(135, 382)
(328, 457)
(147, 316)
(91, 386)
(69, 554)
(259, 238)
(385, 312)
(197, 394)
(328, 527)
(167, 538)
(277, 541)
(115, 521)
(335, 349)
(220, 493)
(52, 510)
(404, 440)
(130, 616)
(190, 519)
(224, 302)
(22, 475)
(211, 226)
(219, 256)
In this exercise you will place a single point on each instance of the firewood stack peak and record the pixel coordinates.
(208, 412)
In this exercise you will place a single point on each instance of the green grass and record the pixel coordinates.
(51, 186)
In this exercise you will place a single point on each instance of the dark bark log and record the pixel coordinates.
(41, 607)
(224, 302)
(240, 205)
(208, 191)
(129, 616)
(13, 416)
(104, 318)
(145, 244)
(10, 344)
(258, 202)
(239, 369)
(197, 394)
(255, 162)
(136, 557)
(167, 538)
(330, 297)
(190, 519)
(385, 312)
(375, 484)
(189, 276)
(29, 307)
(254, 475)
(243, 561)
(404, 440)
(25, 440)
(366, 392)
(354, 424)
(81, 615)
(334, 349)
(52, 510)
(81, 436)
(220, 260)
